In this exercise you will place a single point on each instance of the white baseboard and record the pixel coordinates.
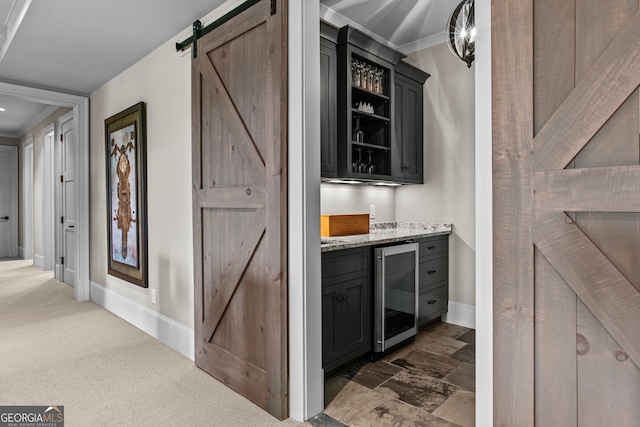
(461, 314)
(38, 261)
(166, 330)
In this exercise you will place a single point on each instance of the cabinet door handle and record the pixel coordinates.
(431, 302)
(431, 272)
(431, 248)
(346, 297)
(338, 298)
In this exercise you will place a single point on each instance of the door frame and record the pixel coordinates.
(48, 212)
(305, 367)
(80, 106)
(484, 214)
(14, 249)
(306, 377)
(28, 240)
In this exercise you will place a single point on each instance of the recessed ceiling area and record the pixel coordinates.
(19, 115)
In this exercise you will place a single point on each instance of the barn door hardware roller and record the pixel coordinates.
(198, 31)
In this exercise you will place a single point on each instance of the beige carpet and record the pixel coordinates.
(57, 351)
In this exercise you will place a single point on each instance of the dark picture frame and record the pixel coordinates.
(126, 151)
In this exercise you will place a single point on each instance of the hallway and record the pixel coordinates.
(104, 371)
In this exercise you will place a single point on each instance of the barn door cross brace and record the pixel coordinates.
(198, 31)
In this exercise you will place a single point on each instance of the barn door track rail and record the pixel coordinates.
(198, 31)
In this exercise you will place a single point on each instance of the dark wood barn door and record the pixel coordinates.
(239, 205)
(566, 164)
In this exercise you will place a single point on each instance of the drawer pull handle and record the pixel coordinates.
(431, 247)
(431, 302)
(431, 272)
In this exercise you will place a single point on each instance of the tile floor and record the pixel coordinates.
(430, 382)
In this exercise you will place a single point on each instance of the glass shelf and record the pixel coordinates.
(373, 146)
(368, 95)
(369, 115)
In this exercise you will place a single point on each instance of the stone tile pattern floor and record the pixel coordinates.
(429, 383)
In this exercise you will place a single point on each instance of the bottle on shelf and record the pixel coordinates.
(358, 135)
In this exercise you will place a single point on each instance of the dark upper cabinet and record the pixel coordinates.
(369, 132)
(408, 137)
(328, 100)
(364, 107)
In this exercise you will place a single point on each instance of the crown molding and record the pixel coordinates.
(424, 43)
(335, 18)
(14, 19)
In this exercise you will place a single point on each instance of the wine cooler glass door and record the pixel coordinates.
(396, 294)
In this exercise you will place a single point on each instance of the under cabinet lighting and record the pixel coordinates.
(2, 109)
(342, 181)
(388, 184)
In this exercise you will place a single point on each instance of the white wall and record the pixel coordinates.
(163, 81)
(448, 194)
(349, 198)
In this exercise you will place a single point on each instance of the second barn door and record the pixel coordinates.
(566, 165)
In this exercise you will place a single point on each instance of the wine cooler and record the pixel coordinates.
(396, 295)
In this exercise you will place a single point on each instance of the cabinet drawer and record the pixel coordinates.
(354, 262)
(433, 304)
(434, 245)
(433, 271)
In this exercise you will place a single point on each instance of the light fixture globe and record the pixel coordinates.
(461, 32)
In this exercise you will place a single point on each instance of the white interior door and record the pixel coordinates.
(8, 201)
(68, 205)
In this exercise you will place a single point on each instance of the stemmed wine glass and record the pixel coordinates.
(358, 166)
(371, 168)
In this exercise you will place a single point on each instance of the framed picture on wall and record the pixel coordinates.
(125, 143)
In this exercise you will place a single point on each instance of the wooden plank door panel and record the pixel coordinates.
(577, 297)
(239, 210)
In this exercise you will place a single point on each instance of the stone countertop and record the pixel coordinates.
(385, 232)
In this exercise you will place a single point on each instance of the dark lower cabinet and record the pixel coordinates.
(433, 300)
(347, 292)
(433, 304)
(346, 306)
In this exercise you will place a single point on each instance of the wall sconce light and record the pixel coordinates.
(461, 32)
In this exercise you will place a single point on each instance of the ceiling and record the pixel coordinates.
(405, 25)
(82, 44)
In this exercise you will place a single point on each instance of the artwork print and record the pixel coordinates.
(124, 232)
(125, 152)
